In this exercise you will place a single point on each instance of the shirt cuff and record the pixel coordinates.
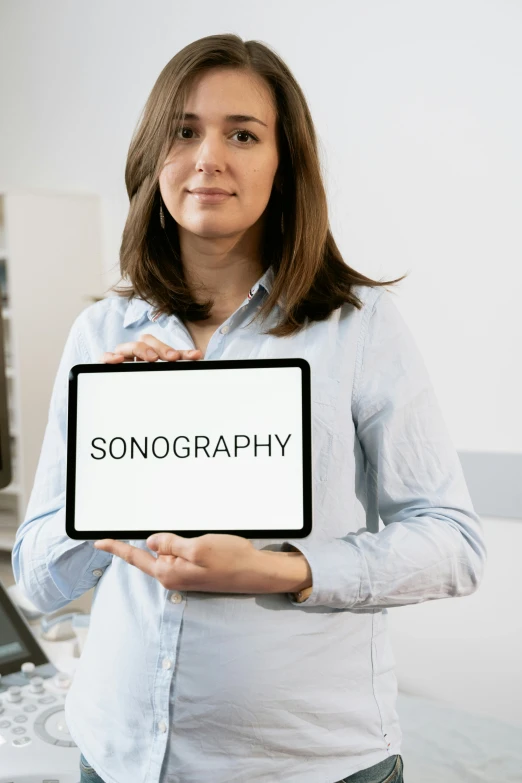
(71, 564)
(337, 568)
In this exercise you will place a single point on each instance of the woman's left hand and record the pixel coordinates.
(213, 563)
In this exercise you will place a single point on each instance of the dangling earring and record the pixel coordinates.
(162, 216)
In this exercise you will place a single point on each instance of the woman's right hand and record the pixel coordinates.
(148, 349)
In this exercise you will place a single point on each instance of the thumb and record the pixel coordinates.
(168, 543)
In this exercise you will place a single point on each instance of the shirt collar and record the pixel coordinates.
(138, 309)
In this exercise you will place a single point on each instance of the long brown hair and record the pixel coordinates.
(311, 277)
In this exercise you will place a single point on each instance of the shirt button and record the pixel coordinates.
(176, 598)
(166, 663)
(162, 726)
(225, 329)
(97, 572)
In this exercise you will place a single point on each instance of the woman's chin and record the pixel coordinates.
(212, 229)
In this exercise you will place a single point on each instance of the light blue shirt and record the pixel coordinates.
(190, 687)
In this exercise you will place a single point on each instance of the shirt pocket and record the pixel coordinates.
(323, 403)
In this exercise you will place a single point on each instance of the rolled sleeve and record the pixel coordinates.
(50, 568)
(432, 544)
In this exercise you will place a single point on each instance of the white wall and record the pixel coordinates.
(416, 109)
(419, 119)
(467, 652)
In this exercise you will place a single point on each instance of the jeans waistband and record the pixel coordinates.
(374, 774)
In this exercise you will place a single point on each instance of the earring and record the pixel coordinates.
(161, 216)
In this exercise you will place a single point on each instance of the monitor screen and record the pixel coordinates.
(17, 643)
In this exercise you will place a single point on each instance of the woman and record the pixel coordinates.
(220, 658)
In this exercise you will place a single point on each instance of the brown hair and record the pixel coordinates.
(311, 276)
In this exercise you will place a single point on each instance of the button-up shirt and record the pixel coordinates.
(190, 687)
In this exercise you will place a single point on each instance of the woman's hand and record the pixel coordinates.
(213, 563)
(148, 349)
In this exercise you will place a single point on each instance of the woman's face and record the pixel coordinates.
(210, 151)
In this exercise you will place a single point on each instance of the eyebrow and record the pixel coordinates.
(228, 118)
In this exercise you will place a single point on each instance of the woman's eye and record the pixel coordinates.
(184, 129)
(247, 133)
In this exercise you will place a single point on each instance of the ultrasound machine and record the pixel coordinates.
(38, 656)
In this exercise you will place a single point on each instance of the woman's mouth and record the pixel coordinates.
(210, 198)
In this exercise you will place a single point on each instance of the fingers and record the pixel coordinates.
(164, 351)
(111, 358)
(148, 349)
(140, 350)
